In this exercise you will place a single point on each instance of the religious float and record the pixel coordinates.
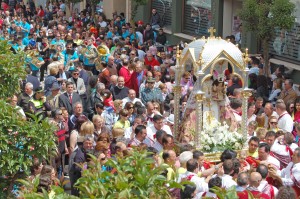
(207, 120)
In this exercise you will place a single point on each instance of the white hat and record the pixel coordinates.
(171, 118)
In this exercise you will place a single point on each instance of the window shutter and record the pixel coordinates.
(197, 19)
(286, 44)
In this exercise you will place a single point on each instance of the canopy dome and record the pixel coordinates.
(209, 50)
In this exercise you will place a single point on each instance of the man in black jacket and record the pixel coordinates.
(155, 19)
(161, 37)
(79, 156)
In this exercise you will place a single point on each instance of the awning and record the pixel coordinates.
(286, 64)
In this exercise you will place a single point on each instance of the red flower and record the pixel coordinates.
(31, 148)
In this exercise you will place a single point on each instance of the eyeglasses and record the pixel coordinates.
(123, 28)
(75, 73)
(131, 107)
(155, 107)
(132, 54)
(125, 115)
(69, 47)
(273, 122)
(150, 82)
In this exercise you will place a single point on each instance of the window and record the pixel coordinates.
(197, 17)
(286, 43)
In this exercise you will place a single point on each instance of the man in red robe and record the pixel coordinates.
(255, 179)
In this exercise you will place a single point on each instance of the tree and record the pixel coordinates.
(11, 70)
(263, 16)
(20, 140)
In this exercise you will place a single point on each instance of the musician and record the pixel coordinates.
(12, 29)
(18, 45)
(35, 63)
(33, 40)
(90, 55)
(57, 40)
(44, 49)
(70, 57)
(25, 27)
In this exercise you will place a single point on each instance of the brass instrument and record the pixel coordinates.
(82, 49)
(90, 54)
(33, 54)
(52, 47)
(103, 51)
(69, 64)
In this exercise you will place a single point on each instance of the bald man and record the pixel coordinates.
(120, 91)
(131, 98)
(113, 81)
(111, 66)
(255, 179)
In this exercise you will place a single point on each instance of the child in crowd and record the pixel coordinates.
(252, 126)
(261, 134)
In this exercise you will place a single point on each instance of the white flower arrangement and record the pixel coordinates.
(216, 137)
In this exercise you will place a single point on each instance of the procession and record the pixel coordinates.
(95, 105)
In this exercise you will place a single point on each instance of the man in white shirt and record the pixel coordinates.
(228, 169)
(158, 124)
(158, 143)
(191, 175)
(265, 157)
(131, 98)
(280, 149)
(285, 121)
(289, 176)
(140, 135)
(129, 132)
(236, 106)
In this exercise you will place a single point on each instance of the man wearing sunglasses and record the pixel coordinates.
(150, 93)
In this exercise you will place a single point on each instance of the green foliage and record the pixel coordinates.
(263, 16)
(20, 141)
(11, 70)
(135, 178)
(29, 190)
(135, 5)
(225, 193)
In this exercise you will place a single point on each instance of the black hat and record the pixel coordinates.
(39, 90)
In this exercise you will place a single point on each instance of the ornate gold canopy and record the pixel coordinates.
(205, 52)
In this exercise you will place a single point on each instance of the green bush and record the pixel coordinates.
(135, 177)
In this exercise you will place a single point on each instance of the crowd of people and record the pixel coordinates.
(107, 86)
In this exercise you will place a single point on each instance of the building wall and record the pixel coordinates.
(110, 6)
